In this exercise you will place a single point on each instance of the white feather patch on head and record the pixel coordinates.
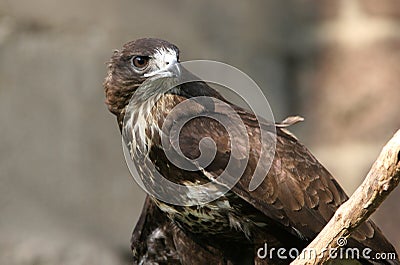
(163, 58)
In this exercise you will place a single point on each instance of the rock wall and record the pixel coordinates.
(65, 192)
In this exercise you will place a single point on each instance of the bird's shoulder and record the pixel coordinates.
(298, 192)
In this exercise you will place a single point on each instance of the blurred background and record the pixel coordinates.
(66, 196)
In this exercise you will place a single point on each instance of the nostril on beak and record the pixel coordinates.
(167, 63)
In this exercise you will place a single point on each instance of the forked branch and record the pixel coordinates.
(382, 179)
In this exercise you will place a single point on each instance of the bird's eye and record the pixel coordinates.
(140, 62)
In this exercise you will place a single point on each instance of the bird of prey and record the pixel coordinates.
(288, 209)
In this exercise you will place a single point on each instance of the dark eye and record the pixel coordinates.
(140, 62)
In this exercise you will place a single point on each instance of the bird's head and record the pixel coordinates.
(128, 68)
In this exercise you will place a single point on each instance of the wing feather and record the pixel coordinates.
(298, 192)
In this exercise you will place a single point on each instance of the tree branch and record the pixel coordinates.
(382, 179)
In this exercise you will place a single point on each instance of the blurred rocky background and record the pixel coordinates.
(66, 196)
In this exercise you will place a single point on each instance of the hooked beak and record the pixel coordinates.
(171, 69)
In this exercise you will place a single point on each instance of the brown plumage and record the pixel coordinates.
(288, 209)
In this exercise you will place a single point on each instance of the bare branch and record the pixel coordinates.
(382, 179)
